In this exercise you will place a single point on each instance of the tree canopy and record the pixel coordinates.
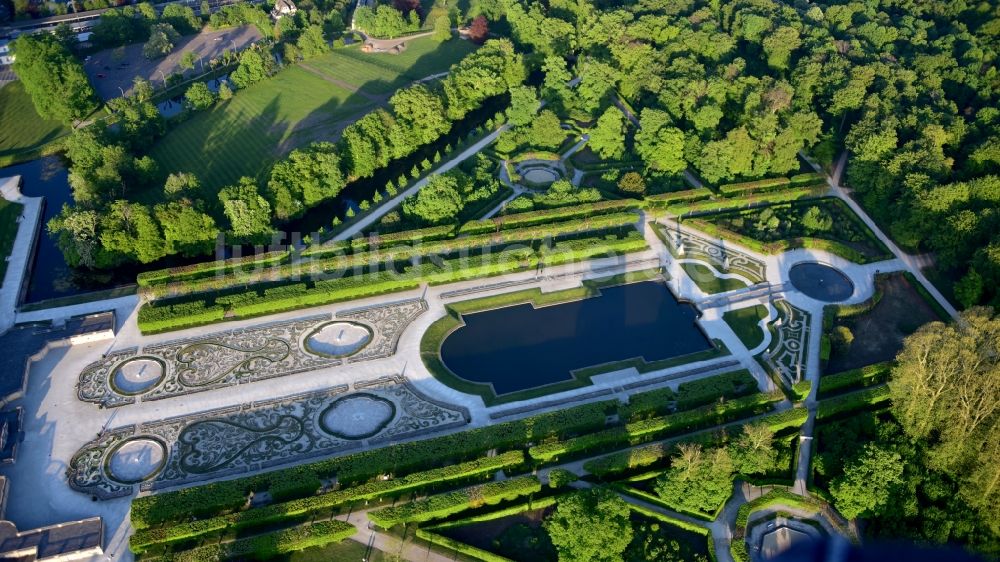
(590, 525)
(53, 78)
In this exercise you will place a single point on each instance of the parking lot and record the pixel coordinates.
(112, 70)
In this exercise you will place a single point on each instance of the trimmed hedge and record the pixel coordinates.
(800, 390)
(443, 505)
(221, 497)
(638, 431)
(747, 187)
(269, 545)
(546, 216)
(650, 454)
(144, 538)
(732, 203)
(336, 261)
(460, 547)
(861, 377)
(861, 400)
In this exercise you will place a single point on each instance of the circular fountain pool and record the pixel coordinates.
(821, 282)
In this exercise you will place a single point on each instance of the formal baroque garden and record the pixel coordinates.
(518, 281)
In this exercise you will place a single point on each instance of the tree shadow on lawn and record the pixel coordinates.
(879, 333)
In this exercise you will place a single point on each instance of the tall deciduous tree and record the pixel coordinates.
(249, 214)
(590, 525)
(660, 144)
(867, 481)
(523, 105)
(55, 80)
(607, 138)
(437, 202)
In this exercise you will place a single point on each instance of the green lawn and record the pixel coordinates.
(22, 132)
(382, 73)
(744, 322)
(708, 282)
(8, 231)
(244, 136)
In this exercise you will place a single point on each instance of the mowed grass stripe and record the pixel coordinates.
(380, 73)
(21, 128)
(244, 136)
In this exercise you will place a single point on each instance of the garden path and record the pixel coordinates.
(21, 251)
(387, 206)
(913, 263)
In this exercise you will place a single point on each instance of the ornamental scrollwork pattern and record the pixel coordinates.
(243, 355)
(686, 245)
(252, 437)
(390, 319)
(786, 353)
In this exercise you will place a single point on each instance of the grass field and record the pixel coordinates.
(8, 231)
(708, 282)
(246, 135)
(744, 322)
(382, 73)
(22, 132)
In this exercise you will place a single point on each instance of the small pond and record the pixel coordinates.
(520, 347)
(821, 282)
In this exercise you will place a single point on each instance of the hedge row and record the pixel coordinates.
(674, 197)
(861, 377)
(277, 512)
(339, 263)
(546, 216)
(376, 240)
(689, 395)
(731, 203)
(771, 184)
(262, 547)
(860, 400)
(443, 505)
(221, 497)
(747, 187)
(205, 269)
(650, 454)
(780, 246)
(800, 390)
(460, 547)
(638, 431)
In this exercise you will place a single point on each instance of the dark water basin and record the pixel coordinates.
(519, 347)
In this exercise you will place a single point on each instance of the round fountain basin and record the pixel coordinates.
(138, 375)
(338, 339)
(357, 417)
(821, 282)
(540, 175)
(136, 460)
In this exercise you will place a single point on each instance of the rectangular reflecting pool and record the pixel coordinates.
(519, 347)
